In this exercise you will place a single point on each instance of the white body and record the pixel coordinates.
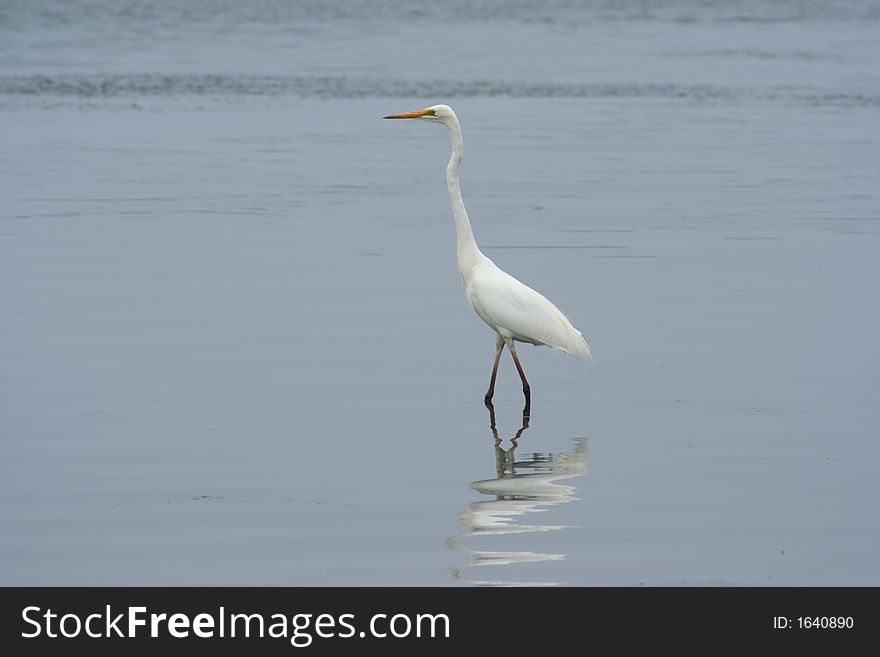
(516, 311)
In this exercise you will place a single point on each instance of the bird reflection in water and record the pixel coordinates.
(521, 486)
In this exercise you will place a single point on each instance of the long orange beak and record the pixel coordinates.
(411, 115)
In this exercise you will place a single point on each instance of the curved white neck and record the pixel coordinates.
(466, 247)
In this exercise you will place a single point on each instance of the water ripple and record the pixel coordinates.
(156, 85)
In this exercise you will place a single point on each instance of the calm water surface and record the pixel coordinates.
(234, 347)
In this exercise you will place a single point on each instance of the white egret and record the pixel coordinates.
(516, 312)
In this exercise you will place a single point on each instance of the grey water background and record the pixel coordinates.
(234, 347)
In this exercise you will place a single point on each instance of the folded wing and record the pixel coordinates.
(516, 310)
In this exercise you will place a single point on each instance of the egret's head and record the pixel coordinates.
(435, 113)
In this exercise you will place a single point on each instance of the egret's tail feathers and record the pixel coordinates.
(580, 348)
(574, 344)
(566, 337)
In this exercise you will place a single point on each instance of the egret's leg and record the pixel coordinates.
(499, 347)
(527, 391)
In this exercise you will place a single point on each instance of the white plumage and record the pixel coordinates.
(516, 312)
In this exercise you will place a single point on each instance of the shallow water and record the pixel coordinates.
(234, 345)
